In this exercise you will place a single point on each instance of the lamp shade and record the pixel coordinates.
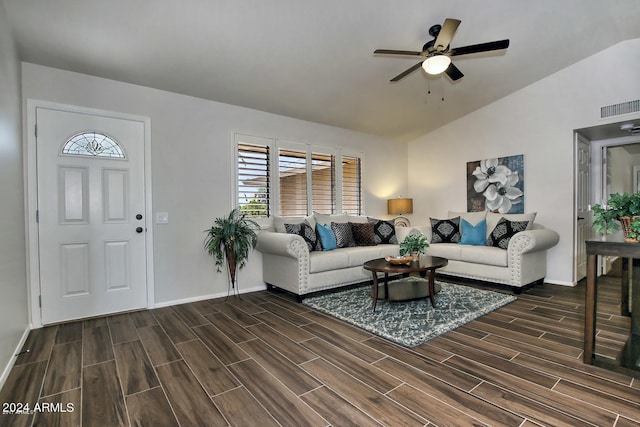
(399, 206)
(436, 64)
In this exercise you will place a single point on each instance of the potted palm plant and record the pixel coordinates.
(230, 239)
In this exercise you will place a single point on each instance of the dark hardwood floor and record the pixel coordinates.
(265, 360)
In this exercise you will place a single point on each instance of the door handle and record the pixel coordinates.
(580, 217)
(139, 230)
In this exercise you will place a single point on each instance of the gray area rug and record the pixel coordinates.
(409, 323)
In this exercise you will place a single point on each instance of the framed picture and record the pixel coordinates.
(496, 185)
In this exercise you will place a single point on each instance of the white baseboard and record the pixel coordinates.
(12, 361)
(559, 282)
(204, 297)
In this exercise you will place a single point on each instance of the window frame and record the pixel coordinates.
(274, 190)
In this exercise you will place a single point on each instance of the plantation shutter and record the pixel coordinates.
(254, 188)
(292, 169)
(352, 185)
(323, 178)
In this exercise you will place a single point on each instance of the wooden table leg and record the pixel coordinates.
(625, 285)
(590, 310)
(432, 288)
(635, 300)
(375, 290)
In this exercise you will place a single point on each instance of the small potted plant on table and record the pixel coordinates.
(414, 244)
(620, 209)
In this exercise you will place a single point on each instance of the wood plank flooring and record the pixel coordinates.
(266, 360)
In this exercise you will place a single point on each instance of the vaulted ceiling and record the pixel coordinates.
(313, 59)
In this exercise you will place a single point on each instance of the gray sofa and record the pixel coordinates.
(290, 265)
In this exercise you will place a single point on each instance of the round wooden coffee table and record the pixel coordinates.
(426, 264)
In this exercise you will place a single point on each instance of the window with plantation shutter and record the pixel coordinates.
(352, 185)
(254, 186)
(292, 172)
(323, 183)
(275, 177)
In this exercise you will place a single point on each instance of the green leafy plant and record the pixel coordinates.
(414, 242)
(634, 230)
(605, 217)
(230, 239)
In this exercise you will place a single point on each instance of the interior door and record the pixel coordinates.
(583, 213)
(91, 217)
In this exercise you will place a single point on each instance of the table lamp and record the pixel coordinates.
(399, 207)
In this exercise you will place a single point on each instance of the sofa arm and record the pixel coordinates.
(533, 241)
(283, 244)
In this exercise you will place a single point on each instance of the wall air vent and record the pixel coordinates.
(618, 109)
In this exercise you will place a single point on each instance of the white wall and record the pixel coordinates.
(13, 281)
(537, 121)
(192, 167)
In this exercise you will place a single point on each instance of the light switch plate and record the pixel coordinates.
(162, 217)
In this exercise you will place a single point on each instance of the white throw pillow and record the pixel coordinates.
(328, 219)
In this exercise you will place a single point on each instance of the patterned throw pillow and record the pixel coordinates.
(344, 236)
(504, 231)
(445, 230)
(384, 231)
(307, 233)
(363, 233)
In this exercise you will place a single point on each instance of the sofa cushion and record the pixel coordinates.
(504, 231)
(307, 233)
(445, 250)
(385, 231)
(363, 233)
(471, 217)
(403, 232)
(484, 255)
(468, 253)
(473, 234)
(328, 219)
(361, 254)
(357, 219)
(344, 236)
(445, 230)
(327, 238)
(326, 261)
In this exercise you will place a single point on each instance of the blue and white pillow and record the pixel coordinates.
(473, 234)
(327, 237)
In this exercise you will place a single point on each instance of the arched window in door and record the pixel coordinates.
(93, 144)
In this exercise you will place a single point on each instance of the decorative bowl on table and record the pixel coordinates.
(399, 259)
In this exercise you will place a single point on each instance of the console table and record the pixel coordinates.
(627, 251)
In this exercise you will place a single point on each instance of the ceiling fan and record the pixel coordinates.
(437, 54)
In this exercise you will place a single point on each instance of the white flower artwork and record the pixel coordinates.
(496, 185)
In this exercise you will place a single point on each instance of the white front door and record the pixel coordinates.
(92, 219)
(583, 214)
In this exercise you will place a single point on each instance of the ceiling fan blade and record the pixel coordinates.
(407, 72)
(397, 52)
(482, 47)
(447, 31)
(453, 72)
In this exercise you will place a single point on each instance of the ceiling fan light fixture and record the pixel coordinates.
(436, 64)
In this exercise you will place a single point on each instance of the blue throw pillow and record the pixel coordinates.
(327, 237)
(473, 234)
